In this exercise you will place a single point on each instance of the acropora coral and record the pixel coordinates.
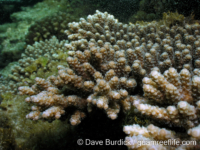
(117, 67)
(39, 60)
(144, 69)
(45, 28)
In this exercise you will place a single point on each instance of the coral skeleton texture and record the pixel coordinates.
(111, 62)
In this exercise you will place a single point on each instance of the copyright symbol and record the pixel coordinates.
(80, 142)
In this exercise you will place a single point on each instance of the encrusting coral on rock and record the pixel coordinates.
(110, 62)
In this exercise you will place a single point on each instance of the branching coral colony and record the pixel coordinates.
(109, 59)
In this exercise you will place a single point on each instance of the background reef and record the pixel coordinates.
(36, 29)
